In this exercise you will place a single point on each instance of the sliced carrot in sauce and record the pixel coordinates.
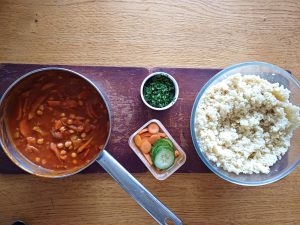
(93, 111)
(78, 122)
(76, 142)
(177, 153)
(47, 86)
(25, 106)
(31, 148)
(148, 157)
(83, 146)
(19, 114)
(82, 95)
(138, 140)
(24, 128)
(70, 104)
(37, 103)
(54, 149)
(90, 111)
(153, 128)
(25, 94)
(154, 138)
(145, 146)
(57, 124)
(87, 127)
(79, 118)
(86, 153)
(53, 103)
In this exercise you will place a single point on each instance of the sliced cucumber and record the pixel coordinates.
(167, 140)
(156, 149)
(163, 141)
(163, 157)
(161, 145)
(163, 154)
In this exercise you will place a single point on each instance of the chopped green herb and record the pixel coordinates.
(159, 91)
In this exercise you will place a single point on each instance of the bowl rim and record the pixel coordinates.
(173, 81)
(192, 127)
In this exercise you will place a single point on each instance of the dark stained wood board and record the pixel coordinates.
(122, 88)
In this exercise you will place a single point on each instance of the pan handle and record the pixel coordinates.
(136, 190)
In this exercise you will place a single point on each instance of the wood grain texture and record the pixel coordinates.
(150, 33)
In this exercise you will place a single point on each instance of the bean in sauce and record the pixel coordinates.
(59, 122)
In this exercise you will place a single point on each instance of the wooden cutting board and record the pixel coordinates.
(122, 88)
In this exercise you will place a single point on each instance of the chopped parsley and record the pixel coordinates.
(159, 91)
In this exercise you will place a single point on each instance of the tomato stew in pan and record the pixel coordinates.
(58, 123)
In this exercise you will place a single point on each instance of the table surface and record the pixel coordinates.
(152, 33)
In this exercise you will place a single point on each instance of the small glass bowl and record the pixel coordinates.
(163, 174)
(291, 159)
(175, 85)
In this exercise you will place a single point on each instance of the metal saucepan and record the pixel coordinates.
(135, 189)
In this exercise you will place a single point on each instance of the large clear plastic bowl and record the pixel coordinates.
(291, 159)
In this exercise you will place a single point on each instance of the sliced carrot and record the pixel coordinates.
(138, 140)
(146, 139)
(153, 128)
(57, 124)
(19, 114)
(82, 95)
(24, 128)
(25, 106)
(94, 111)
(145, 146)
(37, 103)
(76, 142)
(177, 153)
(162, 135)
(143, 131)
(47, 86)
(148, 157)
(53, 103)
(30, 148)
(87, 127)
(146, 134)
(83, 146)
(89, 110)
(25, 94)
(86, 153)
(154, 138)
(69, 104)
(54, 149)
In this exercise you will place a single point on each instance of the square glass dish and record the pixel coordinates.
(158, 174)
